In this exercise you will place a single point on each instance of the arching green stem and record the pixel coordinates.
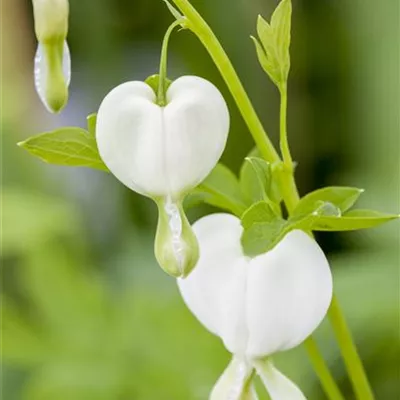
(162, 83)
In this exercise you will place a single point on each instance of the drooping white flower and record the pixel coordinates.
(258, 306)
(52, 70)
(163, 152)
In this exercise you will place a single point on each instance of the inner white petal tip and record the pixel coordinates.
(41, 72)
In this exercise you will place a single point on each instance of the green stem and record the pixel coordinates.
(283, 142)
(321, 369)
(291, 197)
(162, 83)
(200, 28)
(351, 357)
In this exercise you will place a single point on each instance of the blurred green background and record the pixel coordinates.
(86, 312)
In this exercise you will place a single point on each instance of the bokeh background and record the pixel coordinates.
(86, 312)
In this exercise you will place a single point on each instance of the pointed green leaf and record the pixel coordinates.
(262, 172)
(353, 220)
(267, 38)
(260, 212)
(173, 10)
(266, 63)
(220, 189)
(339, 196)
(281, 24)
(273, 52)
(258, 182)
(69, 146)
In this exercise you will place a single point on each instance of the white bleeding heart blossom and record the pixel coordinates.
(163, 152)
(52, 70)
(258, 306)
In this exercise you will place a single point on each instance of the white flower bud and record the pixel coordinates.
(257, 306)
(52, 61)
(51, 20)
(162, 151)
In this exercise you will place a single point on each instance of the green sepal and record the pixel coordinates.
(175, 247)
(154, 81)
(70, 146)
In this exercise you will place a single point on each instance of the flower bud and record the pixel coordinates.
(52, 61)
(176, 247)
(262, 305)
(51, 20)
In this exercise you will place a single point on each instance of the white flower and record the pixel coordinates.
(52, 69)
(164, 152)
(262, 305)
(51, 19)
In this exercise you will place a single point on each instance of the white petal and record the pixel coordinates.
(215, 289)
(41, 72)
(279, 387)
(160, 151)
(257, 306)
(233, 383)
(290, 289)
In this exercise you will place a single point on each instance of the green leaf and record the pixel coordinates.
(341, 197)
(91, 124)
(281, 24)
(273, 52)
(266, 63)
(262, 172)
(262, 237)
(258, 182)
(220, 189)
(258, 213)
(70, 146)
(352, 220)
(173, 10)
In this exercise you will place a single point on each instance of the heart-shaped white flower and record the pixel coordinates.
(262, 305)
(162, 151)
(257, 306)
